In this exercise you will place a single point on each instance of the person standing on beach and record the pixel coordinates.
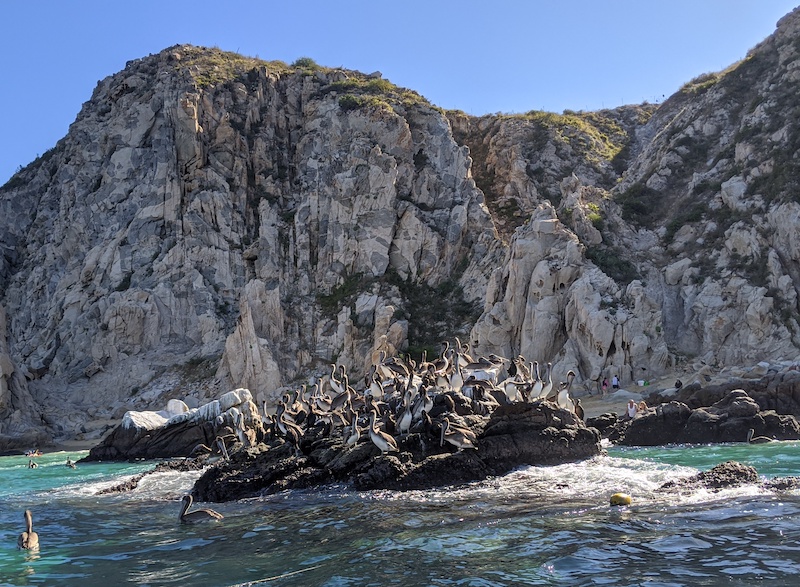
(615, 382)
(604, 387)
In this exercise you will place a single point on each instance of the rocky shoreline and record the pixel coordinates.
(452, 420)
(459, 435)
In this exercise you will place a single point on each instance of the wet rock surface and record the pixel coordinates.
(726, 420)
(729, 475)
(513, 436)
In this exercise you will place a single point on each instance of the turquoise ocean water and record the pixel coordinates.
(535, 526)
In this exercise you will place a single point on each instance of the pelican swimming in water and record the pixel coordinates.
(201, 515)
(28, 540)
(757, 439)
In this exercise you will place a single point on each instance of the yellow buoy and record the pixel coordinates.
(620, 499)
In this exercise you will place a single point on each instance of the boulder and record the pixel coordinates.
(727, 420)
(729, 475)
(150, 435)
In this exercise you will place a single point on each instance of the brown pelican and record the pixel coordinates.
(456, 377)
(424, 401)
(757, 439)
(336, 384)
(355, 433)
(379, 438)
(201, 515)
(562, 398)
(538, 384)
(28, 540)
(404, 423)
(579, 409)
(547, 386)
(461, 438)
(247, 436)
(462, 352)
(222, 448)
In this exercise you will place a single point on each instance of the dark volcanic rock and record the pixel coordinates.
(727, 420)
(514, 435)
(177, 440)
(606, 424)
(728, 474)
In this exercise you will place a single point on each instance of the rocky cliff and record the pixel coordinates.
(212, 221)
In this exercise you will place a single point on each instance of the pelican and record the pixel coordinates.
(579, 409)
(538, 384)
(562, 399)
(247, 436)
(335, 383)
(383, 441)
(456, 377)
(201, 515)
(28, 540)
(511, 389)
(757, 439)
(461, 438)
(462, 353)
(404, 423)
(423, 402)
(355, 433)
(222, 448)
(547, 386)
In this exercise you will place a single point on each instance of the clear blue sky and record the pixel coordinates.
(478, 56)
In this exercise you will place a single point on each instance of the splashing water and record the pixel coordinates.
(534, 526)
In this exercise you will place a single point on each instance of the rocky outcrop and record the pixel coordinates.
(730, 475)
(772, 386)
(213, 221)
(275, 229)
(180, 432)
(514, 435)
(727, 420)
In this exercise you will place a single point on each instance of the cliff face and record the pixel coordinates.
(212, 222)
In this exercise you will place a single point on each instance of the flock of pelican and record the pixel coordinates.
(400, 396)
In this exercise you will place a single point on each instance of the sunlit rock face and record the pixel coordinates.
(213, 221)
